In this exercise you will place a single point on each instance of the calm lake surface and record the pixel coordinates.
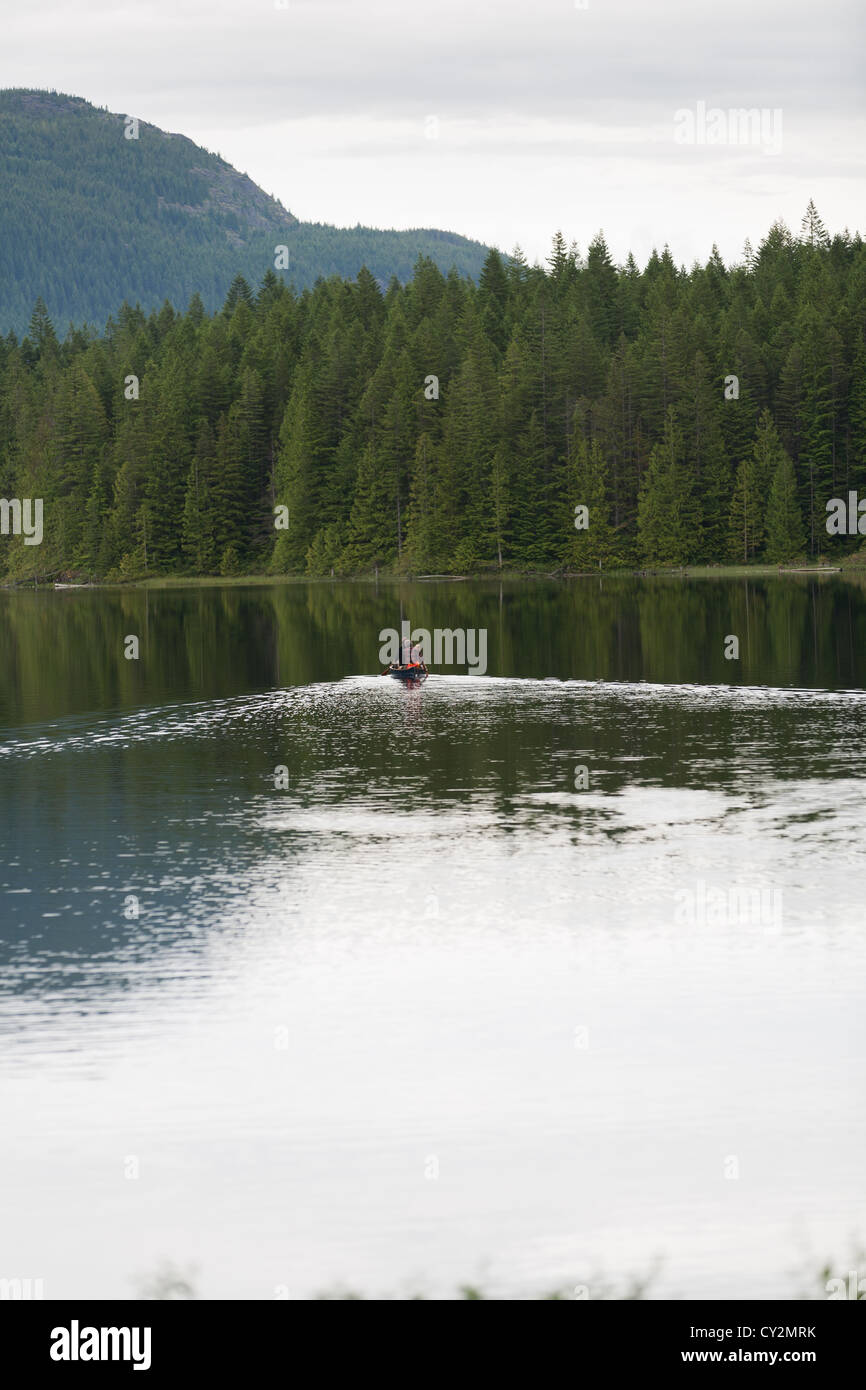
(444, 1008)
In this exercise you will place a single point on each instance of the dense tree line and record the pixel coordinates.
(89, 217)
(705, 415)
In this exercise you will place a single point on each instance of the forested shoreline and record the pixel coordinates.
(701, 416)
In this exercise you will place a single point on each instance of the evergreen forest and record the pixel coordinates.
(567, 417)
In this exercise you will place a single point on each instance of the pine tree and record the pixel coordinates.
(669, 515)
(82, 434)
(95, 554)
(751, 500)
(500, 501)
(430, 521)
(600, 291)
(167, 416)
(708, 461)
(857, 419)
(239, 293)
(371, 533)
(786, 537)
(590, 546)
(199, 512)
(41, 331)
(297, 479)
(812, 229)
(493, 301)
(560, 260)
(746, 524)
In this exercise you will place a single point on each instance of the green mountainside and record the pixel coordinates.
(90, 218)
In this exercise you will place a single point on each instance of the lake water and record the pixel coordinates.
(529, 979)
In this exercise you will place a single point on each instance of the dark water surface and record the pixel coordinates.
(526, 978)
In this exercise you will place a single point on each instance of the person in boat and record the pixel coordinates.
(411, 655)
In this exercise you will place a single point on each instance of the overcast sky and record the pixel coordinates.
(500, 119)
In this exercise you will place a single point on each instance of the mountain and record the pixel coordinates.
(90, 218)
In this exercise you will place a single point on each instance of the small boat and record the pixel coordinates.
(414, 672)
